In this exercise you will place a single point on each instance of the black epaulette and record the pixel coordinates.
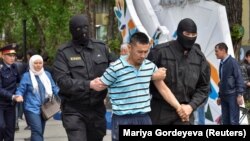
(197, 46)
(65, 45)
(197, 49)
(157, 49)
(97, 41)
(163, 45)
(166, 44)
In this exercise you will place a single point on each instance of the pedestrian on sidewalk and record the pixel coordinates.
(245, 70)
(231, 86)
(21, 68)
(36, 87)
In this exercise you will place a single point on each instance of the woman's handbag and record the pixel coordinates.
(51, 107)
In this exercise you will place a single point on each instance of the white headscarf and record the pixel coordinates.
(42, 75)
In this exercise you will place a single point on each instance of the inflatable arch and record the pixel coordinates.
(159, 20)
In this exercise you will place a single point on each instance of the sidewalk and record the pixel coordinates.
(54, 131)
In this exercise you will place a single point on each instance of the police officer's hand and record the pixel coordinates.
(248, 84)
(240, 100)
(18, 98)
(97, 85)
(160, 74)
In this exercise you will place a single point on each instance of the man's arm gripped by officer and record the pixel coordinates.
(98, 85)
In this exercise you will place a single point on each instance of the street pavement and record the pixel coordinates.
(54, 131)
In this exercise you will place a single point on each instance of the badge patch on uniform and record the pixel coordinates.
(75, 58)
(98, 55)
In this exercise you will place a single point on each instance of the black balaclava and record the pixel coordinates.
(189, 26)
(79, 28)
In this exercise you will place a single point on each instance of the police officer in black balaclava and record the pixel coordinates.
(188, 75)
(79, 28)
(78, 62)
(186, 33)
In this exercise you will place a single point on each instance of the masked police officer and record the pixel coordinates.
(188, 75)
(8, 80)
(76, 64)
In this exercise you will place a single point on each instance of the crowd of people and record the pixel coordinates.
(163, 85)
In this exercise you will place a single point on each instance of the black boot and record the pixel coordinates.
(17, 127)
(27, 139)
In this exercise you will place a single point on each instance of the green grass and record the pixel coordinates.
(247, 105)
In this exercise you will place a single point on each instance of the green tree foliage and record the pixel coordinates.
(47, 22)
(114, 45)
(237, 32)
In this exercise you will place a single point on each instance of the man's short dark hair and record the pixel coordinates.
(139, 37)
(222, 46)
(30, 52)
(247, 53)
(19, 55)
(45, 56)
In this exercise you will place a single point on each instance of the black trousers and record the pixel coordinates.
(7, 123)
(86, 125)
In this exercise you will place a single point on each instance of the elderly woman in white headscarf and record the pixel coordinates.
(36, 87)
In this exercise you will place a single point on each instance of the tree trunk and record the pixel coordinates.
(87, 11)
(111, 15)
(234, 10)
(234, 14)
(40, 33)
(93, 19)
(7, 32)
(38, 26)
